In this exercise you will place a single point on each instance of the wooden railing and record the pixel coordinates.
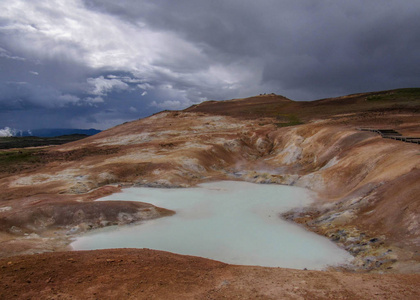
(392, 134)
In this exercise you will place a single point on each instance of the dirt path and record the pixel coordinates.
(149, 274)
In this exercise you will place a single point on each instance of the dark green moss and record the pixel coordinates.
(13, 161)
(288, 120)
(400, 95)
(19, 156)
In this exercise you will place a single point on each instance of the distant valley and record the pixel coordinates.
(54, 132)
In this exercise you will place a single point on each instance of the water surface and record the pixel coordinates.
(233, 222)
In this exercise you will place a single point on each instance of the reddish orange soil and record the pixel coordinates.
(148, 274)
(367, 201)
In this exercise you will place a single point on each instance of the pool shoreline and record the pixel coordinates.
(275, 215)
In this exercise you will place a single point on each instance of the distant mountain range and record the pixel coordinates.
(52, 132)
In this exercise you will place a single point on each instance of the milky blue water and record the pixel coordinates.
(233, 222)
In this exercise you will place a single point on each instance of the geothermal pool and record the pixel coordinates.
(233, 222)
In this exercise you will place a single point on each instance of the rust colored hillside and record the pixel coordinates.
(283, 109)
(367, 191)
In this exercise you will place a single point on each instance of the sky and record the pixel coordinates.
(99, 63)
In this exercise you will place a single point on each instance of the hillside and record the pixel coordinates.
(284, 109)
(55, 132)
(367, 187)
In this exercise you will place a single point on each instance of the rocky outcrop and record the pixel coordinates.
(77, 217)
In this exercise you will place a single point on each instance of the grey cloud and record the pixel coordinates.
(4, 53)
(316, 46)
(101, 86)
(96, 63)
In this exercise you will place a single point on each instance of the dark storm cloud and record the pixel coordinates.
(308, 49)
(99, 63)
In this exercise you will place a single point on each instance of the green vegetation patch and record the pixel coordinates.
(288, 120)
(410, 94)
(13, 161)
(19, 156)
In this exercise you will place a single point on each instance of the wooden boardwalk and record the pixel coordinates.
(392, 134)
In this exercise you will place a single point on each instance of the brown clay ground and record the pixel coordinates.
(148, 274)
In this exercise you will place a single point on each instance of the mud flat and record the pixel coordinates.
(233, 222)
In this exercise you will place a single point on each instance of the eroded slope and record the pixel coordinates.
(367, 186)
